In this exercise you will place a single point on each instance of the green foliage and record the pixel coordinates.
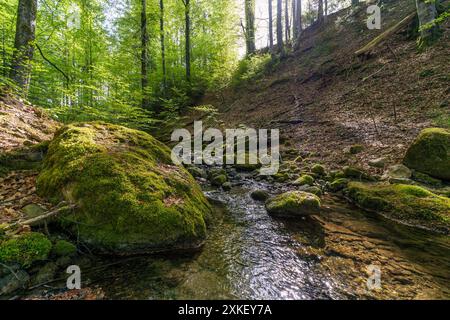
(252, 68)
(25, 249)
(90, 66)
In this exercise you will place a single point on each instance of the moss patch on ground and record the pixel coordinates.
(25, 249)
(411, 204)
(131, 198)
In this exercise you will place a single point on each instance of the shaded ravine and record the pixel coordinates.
(250, 255)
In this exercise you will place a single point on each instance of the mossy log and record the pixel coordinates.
(385, 35)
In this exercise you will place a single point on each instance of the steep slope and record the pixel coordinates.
(324, 98)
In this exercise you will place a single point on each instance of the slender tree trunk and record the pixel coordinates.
(4, 69)
(163, 44)
(280, 26)
(187, 31)
(326, 9)
(286, 20)
(24, 43)
(144, 56)
(426, 10)
(294, 19)
(250, 26)
(320, 13)
(270, 25)
(299, 17)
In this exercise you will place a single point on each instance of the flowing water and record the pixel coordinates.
(250, 255)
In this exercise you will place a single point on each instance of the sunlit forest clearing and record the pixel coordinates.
(93, 205)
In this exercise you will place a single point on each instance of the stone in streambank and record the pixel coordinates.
(131, 198)
(430, 153)
(304, 180)
(411, 204)
(293, 204)
(260, 195)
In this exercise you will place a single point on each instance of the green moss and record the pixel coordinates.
(131, 197)
(304, 180)
(339, 184)
(355, 173)
(218, 180)
(64, 248)
(318, 169)
(25, 249)
(403, 202)
(430, 153)
(294, 203)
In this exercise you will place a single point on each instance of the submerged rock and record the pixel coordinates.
(430, 153)
(13, 281)
(410, 204)
(131, 198)
(294, 204)
(260, 195)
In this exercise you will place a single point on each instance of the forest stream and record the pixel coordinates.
(250, 255)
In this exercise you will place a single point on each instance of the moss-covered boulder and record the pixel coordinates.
(430, 153)
(318, 169)
(411, 204)
(293, 204)
(25, 249)
(304, 180)
(339, 184)
(63, 248)
(130, 197)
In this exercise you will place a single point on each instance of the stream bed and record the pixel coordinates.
(250, 255)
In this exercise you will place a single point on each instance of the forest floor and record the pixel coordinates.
(324, 98)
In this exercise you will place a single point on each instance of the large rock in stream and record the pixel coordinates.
(408, 204)
(430, 153)
(131, 198)
(293, 204)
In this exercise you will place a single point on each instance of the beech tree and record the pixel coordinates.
(249, 29)
(24, 43)
(280, 27)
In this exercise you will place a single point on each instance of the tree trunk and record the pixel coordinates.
(144, 56)
(286, 20)
(294, 19)
(24, 43)
(320, 12)
(270, 25)
(299, 17)
(326, 9)
(427, 13)
(163, 45)
(250, 26)
(187, 7)
(280, 26)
